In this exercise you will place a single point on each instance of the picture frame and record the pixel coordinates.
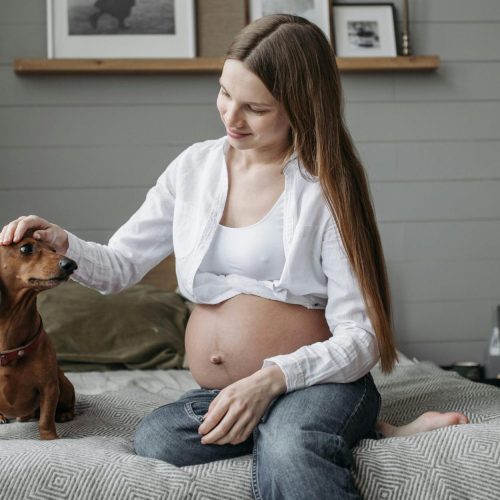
(365, 30)
(316, 11)
(120, 29)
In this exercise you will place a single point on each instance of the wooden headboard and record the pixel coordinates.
(163, 275)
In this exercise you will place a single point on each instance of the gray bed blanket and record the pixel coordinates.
(95, 458)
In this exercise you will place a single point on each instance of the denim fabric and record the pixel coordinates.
(300, 449)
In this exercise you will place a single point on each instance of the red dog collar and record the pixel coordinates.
(7, 357)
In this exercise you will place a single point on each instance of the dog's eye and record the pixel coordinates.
(27, 249)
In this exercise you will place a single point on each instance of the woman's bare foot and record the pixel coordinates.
(426, 422)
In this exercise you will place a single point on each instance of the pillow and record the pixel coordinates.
(140, 327)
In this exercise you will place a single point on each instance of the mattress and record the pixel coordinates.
(94, 459)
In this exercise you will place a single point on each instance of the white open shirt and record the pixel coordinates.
(180, 215)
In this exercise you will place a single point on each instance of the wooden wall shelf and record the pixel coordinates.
(205, 65)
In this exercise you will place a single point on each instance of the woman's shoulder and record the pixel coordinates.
(205, 150)
(198, 158)
(198, 167)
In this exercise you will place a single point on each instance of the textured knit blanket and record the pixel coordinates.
(95, 458)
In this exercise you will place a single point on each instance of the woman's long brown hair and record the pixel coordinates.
(297, 64)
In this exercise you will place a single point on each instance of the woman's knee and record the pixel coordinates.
(292, 445)
(158, 437)
(349, 410)
(170, 434)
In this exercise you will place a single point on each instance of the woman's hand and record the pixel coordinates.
(43, 230)
(238, 408)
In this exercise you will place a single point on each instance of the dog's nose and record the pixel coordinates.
(67, 265)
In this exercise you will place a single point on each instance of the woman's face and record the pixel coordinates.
(252, 116)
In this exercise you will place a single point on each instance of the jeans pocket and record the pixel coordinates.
(196, 409)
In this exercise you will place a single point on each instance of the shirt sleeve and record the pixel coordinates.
(352, 351)
(139, 245)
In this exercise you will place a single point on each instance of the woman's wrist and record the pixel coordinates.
(274, 378)
(73, 246)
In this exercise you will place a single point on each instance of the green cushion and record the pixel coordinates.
(140, 327)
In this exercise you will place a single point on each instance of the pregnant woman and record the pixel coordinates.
(276, 242)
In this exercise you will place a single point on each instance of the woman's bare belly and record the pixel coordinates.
(228, 341)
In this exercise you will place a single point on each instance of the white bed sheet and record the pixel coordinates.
(169, 383)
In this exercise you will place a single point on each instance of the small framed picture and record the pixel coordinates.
(120, 28)
(365, 30)
(316, 11)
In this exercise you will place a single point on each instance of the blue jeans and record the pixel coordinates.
(300, 448)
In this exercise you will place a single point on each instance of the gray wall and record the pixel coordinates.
(82, 151)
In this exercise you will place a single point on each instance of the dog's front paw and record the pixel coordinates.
(48, 435)
(3, 419)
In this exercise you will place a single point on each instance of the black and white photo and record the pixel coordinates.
(129, 17)
(363, 34)
(317, 11)
(365, 30)
(120, 28)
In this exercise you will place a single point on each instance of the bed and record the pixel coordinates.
(94, 459)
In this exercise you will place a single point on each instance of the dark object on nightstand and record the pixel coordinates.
(475, 375)
(490, 381)
(481, 380)
(468, 369)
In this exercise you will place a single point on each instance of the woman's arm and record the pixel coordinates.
(352, 350)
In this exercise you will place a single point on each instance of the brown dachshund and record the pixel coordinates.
(31, 383)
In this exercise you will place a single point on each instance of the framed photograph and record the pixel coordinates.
(365, 30)
(316, 11)
(120, 28)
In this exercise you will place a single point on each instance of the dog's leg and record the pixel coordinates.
(48, 402)
(66, 405)
(3, 419)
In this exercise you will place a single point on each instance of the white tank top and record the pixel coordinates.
(254, 251)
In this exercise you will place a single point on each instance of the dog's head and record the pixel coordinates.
(32, 265)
